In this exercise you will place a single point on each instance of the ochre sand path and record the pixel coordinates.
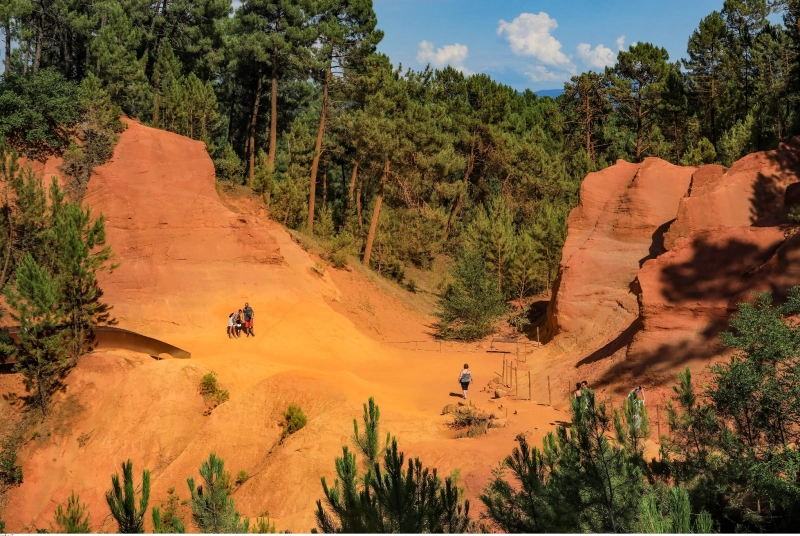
(186, 262)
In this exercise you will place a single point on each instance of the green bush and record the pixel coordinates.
(37, 111)
(228, 165)
(75, 520)
(10, 472)
(295, 420)
(209, 388)
(472, 302)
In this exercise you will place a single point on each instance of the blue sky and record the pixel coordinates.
(536, 44)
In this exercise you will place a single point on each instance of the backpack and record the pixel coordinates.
(466, 377)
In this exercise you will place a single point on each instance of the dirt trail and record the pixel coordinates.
(186, 262)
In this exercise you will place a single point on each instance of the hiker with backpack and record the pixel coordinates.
(465, 378)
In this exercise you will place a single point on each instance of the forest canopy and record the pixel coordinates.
(393, 165)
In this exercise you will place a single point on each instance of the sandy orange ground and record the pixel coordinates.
(186, 262)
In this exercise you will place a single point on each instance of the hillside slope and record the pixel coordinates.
(186, 261)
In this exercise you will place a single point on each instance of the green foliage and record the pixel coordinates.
(73, 520)
(36, 112)
(228, 165)
(210, 388)
(733, 446)
(53, 250)
(702, 153)
(668, 510)
(472, 302)
(390, 499)
(121, 500)
(10, 472)
(369, 442)
(42, 346)
(212, 507)
(170, 521)
(97, 130)
(263, 525)
(736, 142)
(583, 480)
(295, 420)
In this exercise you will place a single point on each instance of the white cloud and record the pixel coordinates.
(598, 57)
(540, 73)
(529, 35)
(452, 55)
(620, 42)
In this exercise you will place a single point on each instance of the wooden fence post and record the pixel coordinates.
(549, 396)
(530, 395)
(658, 422)
(516, 381)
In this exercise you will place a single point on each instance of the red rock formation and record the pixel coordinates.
(702, 248)
(617, 226)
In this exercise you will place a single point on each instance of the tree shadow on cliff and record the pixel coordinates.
(714, 272)
(660, 367)
(766, 201)
(767, 198)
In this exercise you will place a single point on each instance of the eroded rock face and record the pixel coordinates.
(658, 257)
(170, 232)
(619, 224)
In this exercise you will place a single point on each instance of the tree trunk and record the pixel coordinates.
(37, 58)
(273, 119)
(251, 142)
(454, 212)
(27, 55)
(375, 214)
(318, 150)
(358, 207)
(146, 55)
(8, 47)
(639, 127)
(352, 184)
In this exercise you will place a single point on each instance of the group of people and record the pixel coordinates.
(241, 320)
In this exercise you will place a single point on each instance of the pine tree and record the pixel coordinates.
(41, 354)
(707, 54)
(78, 240)
(369, 443)
(394, 498)
(122, 500)
(638, 76)
(73, 520)
(213, 508)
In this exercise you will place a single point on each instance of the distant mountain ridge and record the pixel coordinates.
(549, 92)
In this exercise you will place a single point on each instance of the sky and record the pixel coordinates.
(535, 44)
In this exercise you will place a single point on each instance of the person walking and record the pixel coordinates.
(465, 378)
(249, 315)
(636, 399)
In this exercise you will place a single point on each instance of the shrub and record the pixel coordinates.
(295, 420)
(36, 112)
(10, 472)
(263, 525)
(213, 508)
(121, 500)
(228, 165)
(242, 477)
(472, 302)
(209, 388)
(170, 521)
(74, 520)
